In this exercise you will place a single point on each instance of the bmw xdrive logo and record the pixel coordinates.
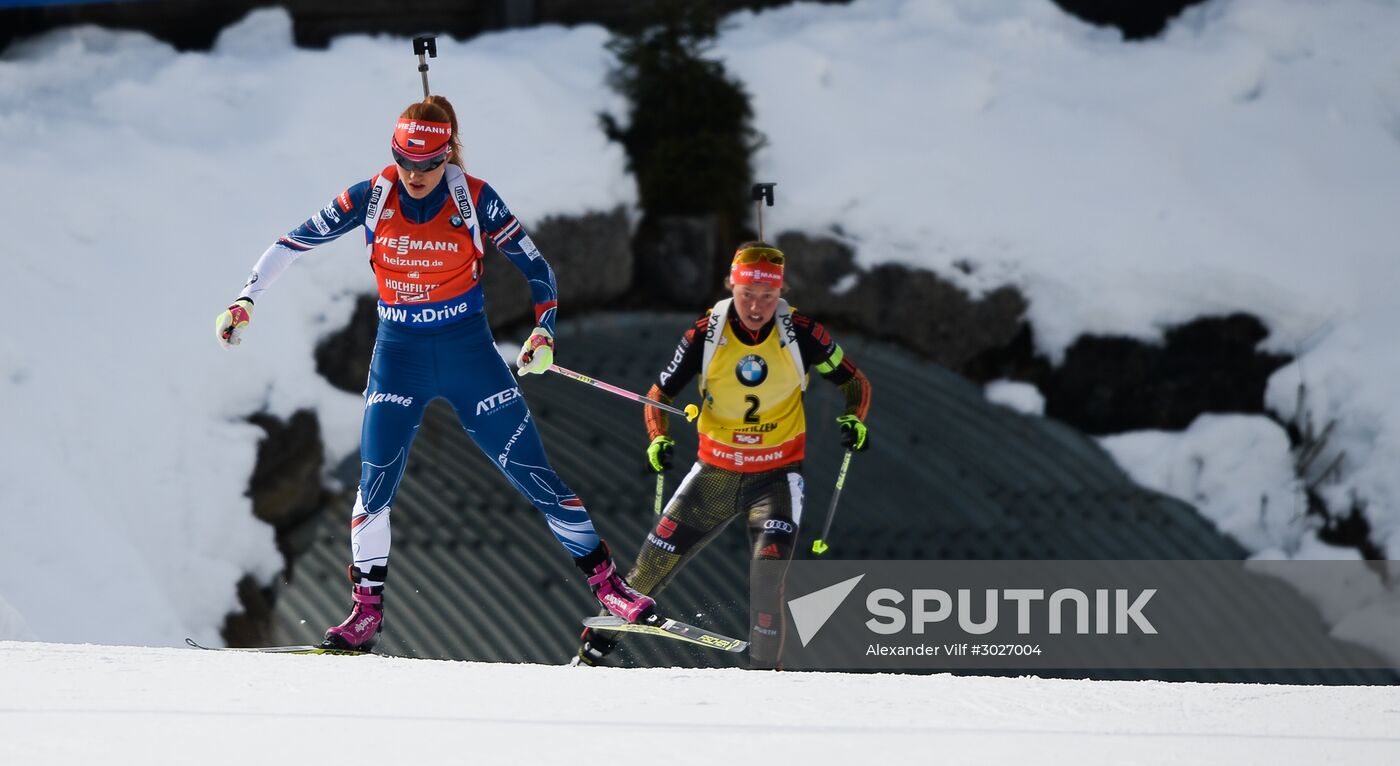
(456, 221)
(751, 370)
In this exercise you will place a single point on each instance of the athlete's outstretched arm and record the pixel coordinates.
(343, 214)
(514, 243)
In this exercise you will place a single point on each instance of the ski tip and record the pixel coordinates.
(603, 622)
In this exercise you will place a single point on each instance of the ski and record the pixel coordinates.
(664, 626)
(295, 649)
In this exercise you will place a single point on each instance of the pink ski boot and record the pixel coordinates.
(613, 592)
(361, 629)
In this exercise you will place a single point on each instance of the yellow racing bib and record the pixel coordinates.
(752, 417)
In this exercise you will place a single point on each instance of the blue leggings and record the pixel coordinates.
(413, 366)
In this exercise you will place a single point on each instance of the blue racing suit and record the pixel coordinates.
(434, 341)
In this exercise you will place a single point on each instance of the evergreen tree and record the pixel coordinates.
(689, 135)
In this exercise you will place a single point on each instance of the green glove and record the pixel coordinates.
(659, 453)
(853, 433)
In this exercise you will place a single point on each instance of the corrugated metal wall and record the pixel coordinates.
(476, 575)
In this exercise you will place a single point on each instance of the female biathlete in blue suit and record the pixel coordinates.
(425, 220)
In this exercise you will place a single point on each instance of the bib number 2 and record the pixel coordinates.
(751, 416)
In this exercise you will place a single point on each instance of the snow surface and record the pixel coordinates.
(1246, 161)
(1022, 397)
(66, 704)
(1234, 468)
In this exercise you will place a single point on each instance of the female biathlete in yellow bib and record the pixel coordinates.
(752, 354)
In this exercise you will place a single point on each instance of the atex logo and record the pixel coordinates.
(497, 400)
(892, 611)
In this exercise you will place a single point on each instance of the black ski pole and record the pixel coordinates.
(819, 545)
(425, 44)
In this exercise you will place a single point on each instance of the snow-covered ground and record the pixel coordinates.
(62, 704)
(1246, 161)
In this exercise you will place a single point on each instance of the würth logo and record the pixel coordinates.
(665, 528)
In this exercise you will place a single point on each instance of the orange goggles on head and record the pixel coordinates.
(757, 266)
(755, 254)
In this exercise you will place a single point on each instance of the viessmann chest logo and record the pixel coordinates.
(404, 245)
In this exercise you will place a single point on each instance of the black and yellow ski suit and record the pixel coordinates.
(752, 441)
